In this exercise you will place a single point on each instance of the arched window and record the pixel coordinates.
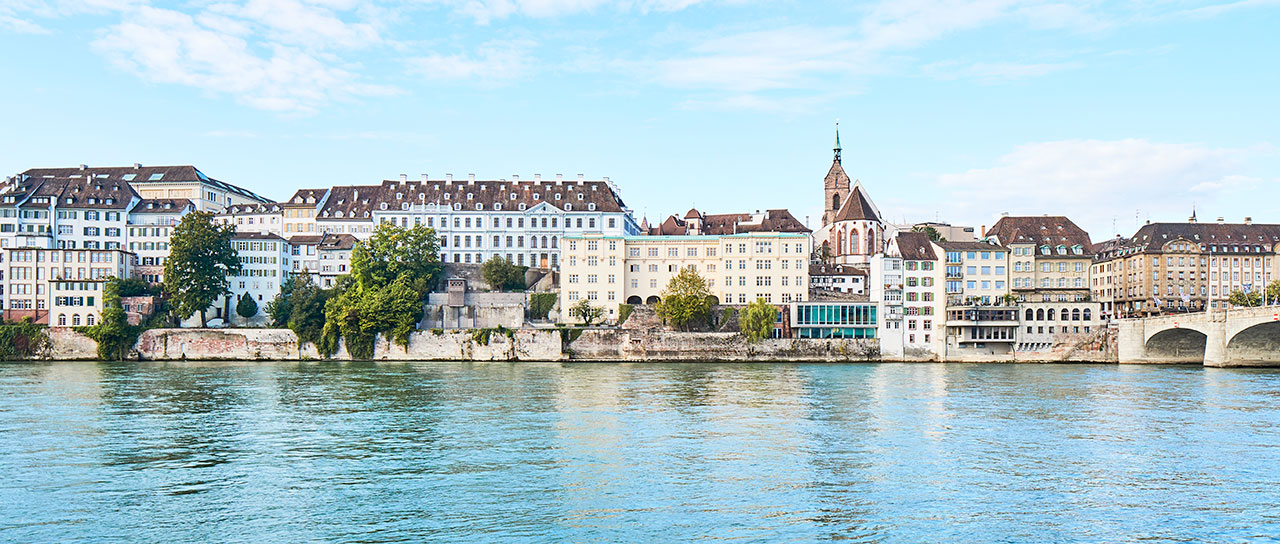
(75, 320)
(1040, 314)
(1075, 314)
(1086, 314)
(1031, 314)
(544, 241)
(835, 201)
(853, 241)
(89, 320)
(62, 320)
(1064, 314)
(871, 240)
(1050, 314)
(839, 242)
(554, 243)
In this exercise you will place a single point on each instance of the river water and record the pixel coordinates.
(497, 452)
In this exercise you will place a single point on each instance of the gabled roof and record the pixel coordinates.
(76, 193)
(337, 242)
(836, 270)
(971, 246)
(732, 223)
(1211, 237)
(915, 246)
(1050, 230)
(306, 239)
(162, 205)
(306, 198)
(508, 195)
(142, 174)
(256, 236)
(857, 206)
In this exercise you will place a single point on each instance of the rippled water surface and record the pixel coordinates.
(459, 452)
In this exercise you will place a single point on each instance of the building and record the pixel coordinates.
(981, 330)
(854, 320)
(977, 273)
(924, 297)
(838, 278)
(1185, 267)
(852, 230)
(739, 268)
(887, 286)
(264, 265)
(1051, 257)
(150, 224)
(58, 287)
(300, 211)
(334, 255)
(696, 223)
(160, 182)
(948, 232)
(261, 217)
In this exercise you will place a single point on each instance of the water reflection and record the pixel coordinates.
(484, 452)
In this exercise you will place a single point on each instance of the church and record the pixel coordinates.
(852, 227)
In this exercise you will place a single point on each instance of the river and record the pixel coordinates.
(528, 452)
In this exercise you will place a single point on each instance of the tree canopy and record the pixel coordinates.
(391, 274)
(200, 259)
(685, 301)
(757, 319)
(932, 233)
(247, 307)
(113, 333)
(586, 312)
(503, 275)
(300, 307)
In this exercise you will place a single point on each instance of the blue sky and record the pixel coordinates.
(1108, 112)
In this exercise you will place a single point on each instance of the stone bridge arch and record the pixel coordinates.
(1177, 345)
(1256, 344)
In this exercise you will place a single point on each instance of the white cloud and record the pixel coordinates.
(1096, 181)
(167, 46)
(484, 11)
(493, 63)
(995, 72)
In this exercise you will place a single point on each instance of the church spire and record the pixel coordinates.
(837, 148)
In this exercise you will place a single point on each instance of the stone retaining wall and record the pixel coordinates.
(624, 345)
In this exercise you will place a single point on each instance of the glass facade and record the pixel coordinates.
(816, 320)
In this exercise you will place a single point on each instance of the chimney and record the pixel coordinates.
(515, 177)
(1004, 214)
(355, 195)
(84, 167)
(448, 178)
(1248, 220)
(137, 165)
(424, 178)
(580, 178)
(471, 177)
(404, 177)
(983, 231)
(1219, 220)
(559, 177)
(606, 179)
(537, 177)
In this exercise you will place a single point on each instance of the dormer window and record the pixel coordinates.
(470, 196)
(557, 196)
(579, 196)
(457, 206)
(383, 205)
(404, 205)
(535, 196)
(513, 196)
(479, 207)
(399, 196)
(591, 206)
(497, 207)
(568, 207)
(338, 214)
(522, 206)
(446, 196)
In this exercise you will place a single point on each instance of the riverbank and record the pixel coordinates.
(591, 345)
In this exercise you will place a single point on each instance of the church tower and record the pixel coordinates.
(836, 186)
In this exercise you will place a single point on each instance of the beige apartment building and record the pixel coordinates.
(1192, 266)
(739, 268)
(1050, 255)
(977, 273)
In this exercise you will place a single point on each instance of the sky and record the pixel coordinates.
(1111, 113)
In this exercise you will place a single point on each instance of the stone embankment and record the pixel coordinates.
(283, 345)
(593, 345)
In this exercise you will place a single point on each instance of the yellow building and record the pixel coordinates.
(739, 268)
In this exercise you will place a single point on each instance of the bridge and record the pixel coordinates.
(1236, 337)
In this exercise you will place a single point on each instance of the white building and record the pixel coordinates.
(151, 222)
(265, 264)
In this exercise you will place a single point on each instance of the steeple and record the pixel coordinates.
(837, 148)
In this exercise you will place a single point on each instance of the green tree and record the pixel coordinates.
(502, 274)
(1273, 293)
(586, 312)
(1241, 298)
(685, 300)
(392, 253)
(114, 334)
(200, 259)
(757, 320)
(391, 274)
(934, 235)
(541, 304)
(823, 253)
(300, 307)
(247, 307)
